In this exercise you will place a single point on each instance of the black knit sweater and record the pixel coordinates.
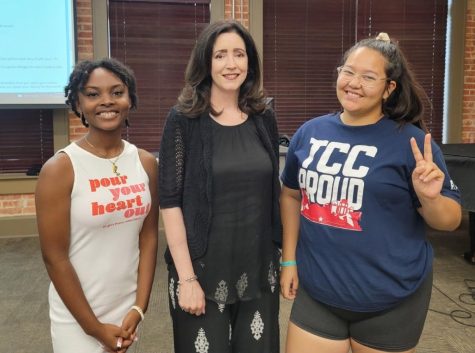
(185, 174)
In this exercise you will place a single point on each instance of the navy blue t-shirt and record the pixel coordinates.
(362, 244)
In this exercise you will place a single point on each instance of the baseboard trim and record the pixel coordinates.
(18, 226)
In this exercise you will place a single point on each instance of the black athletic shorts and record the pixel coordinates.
(394, 330)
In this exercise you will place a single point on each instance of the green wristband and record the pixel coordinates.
(288, 263)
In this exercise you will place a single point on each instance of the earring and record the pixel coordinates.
(84, 121)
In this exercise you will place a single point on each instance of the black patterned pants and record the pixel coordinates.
(243, 327)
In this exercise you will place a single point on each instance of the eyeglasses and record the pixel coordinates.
(366, 80)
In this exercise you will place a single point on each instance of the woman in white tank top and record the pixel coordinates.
(97, 214)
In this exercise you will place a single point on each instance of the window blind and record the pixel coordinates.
(26, 139)
(305, 40)
(155, 39)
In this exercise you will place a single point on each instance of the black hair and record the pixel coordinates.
(405, 104)
(196, 94)
(80, 76)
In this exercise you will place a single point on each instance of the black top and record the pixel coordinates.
(240, 251)
(185, 174)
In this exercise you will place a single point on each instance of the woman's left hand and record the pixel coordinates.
(129, 324)
(191, 298)
(427, 178)
(289, 282)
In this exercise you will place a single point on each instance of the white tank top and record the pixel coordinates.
(107, 213)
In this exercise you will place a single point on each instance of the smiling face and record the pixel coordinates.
(104, 100)
(229, 63)
(361, 96)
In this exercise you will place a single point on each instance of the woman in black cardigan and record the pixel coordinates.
(219, 192)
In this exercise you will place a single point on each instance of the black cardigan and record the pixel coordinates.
(185, 174)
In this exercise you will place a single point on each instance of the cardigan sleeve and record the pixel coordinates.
(271, 124)
(273, 131)
(172, 161)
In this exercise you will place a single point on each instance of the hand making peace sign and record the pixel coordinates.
(427, 178)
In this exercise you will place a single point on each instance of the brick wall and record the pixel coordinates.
(17, 205)
(85, 51)
(468, 121)
(241, 11)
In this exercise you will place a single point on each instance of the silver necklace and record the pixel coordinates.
(113, 162)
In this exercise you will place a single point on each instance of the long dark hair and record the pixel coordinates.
(195, 96)
(83, 70)
(406, 103)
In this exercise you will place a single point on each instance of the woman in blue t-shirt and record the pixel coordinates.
(359, 187)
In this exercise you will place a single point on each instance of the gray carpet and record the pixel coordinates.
(24, 323)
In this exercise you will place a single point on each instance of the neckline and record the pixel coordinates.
(227, 126)
(340, 120)
(125, 143)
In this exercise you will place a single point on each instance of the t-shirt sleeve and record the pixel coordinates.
(289, 176)
(171, 163)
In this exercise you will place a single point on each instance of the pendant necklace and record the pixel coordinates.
(113, 162)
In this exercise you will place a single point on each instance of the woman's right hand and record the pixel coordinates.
(289, 282)
(109, 335)
(191, 298)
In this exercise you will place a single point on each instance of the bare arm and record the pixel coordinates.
(53, 204)
(191, 297)
(290, 211)
(148, 237)
(148, 243)
(439, 212)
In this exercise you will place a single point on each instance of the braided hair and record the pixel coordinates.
(80, 76)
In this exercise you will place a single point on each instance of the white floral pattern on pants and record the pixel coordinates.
(201, 342)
